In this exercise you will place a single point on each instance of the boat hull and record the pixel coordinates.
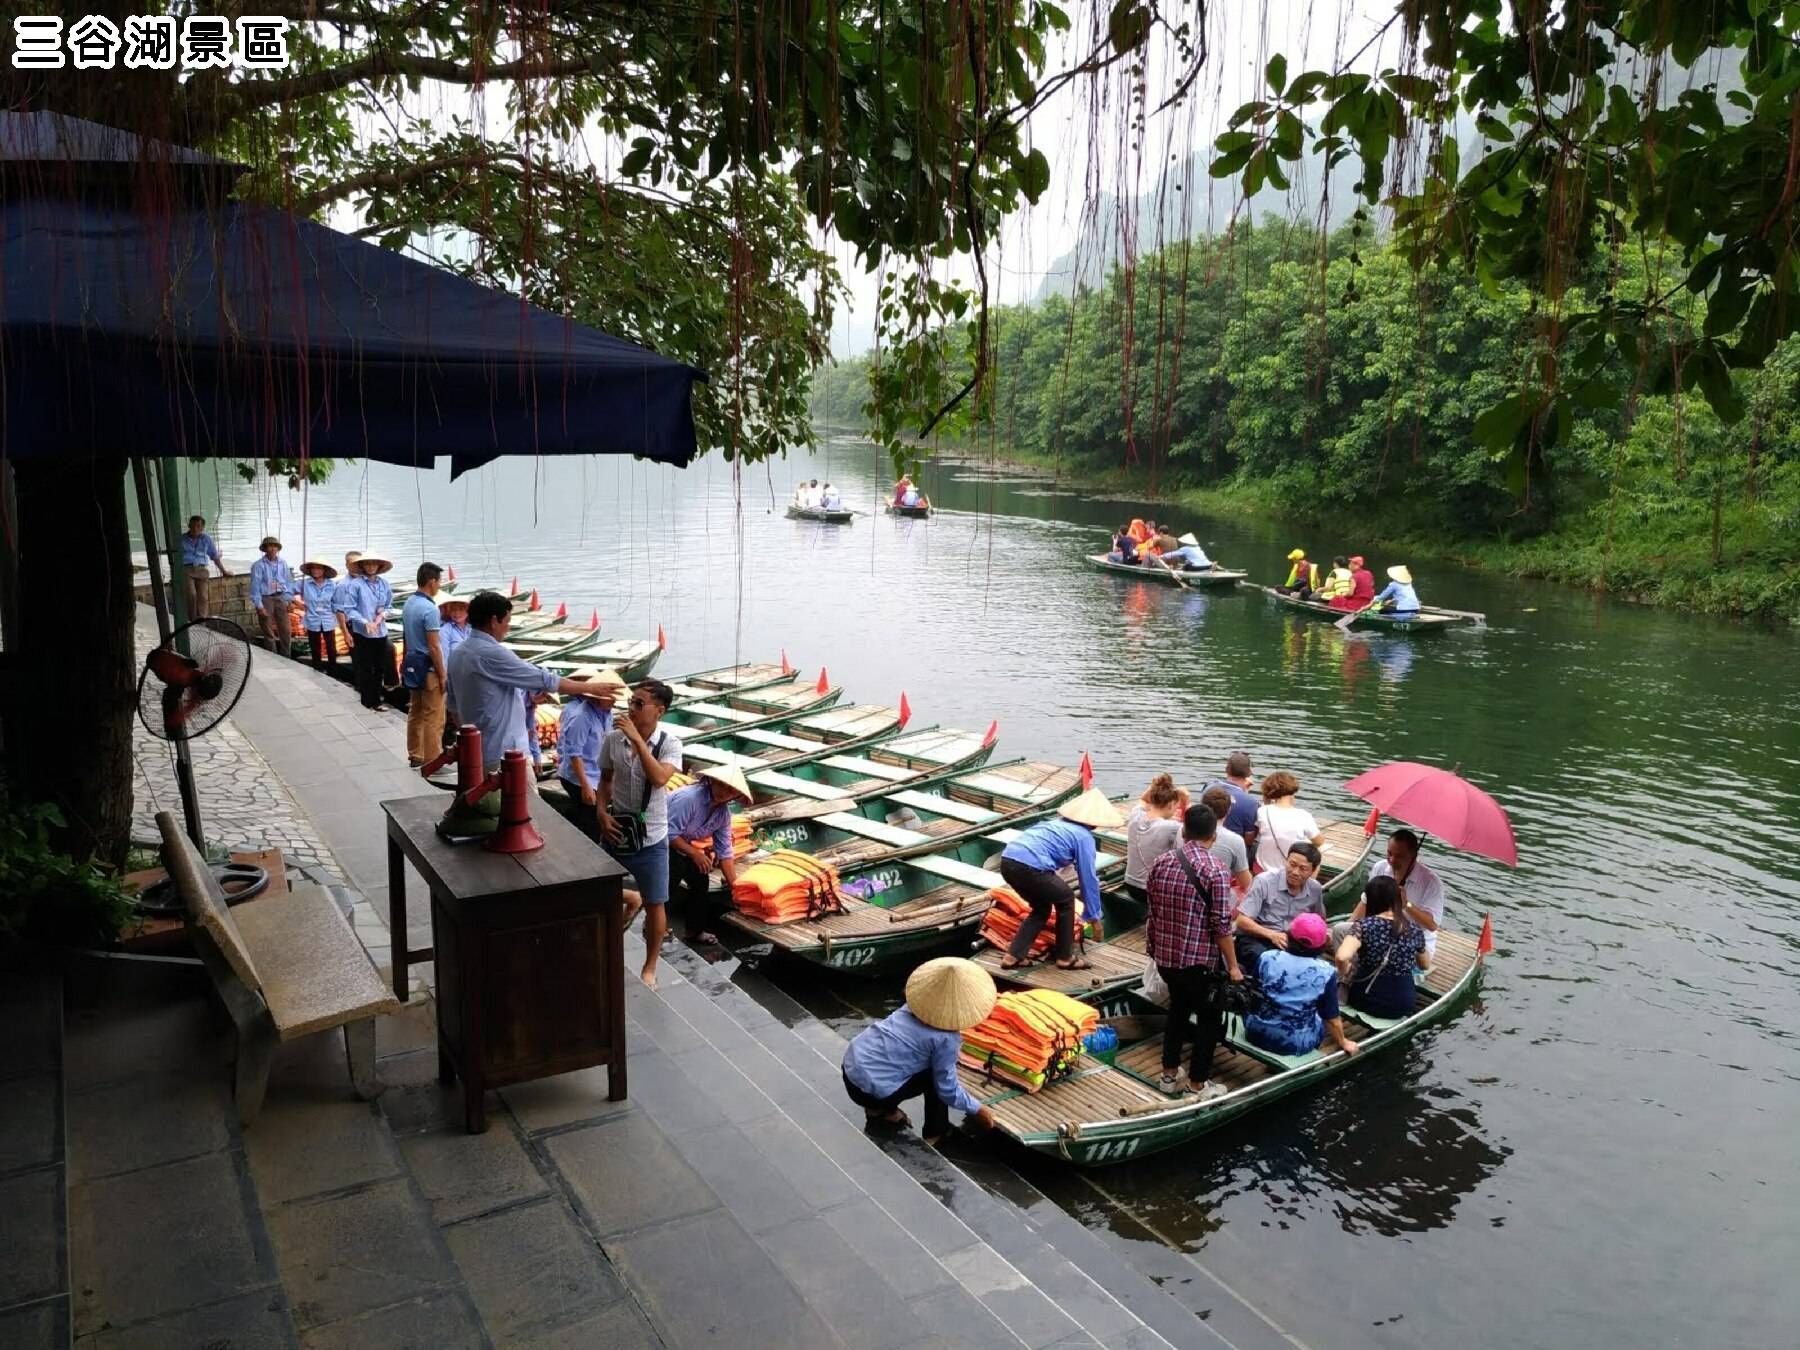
(1427, 620)
(1217, 578)
(820, 516)
(910, 512)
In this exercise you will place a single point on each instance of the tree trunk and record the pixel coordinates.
(71, 691)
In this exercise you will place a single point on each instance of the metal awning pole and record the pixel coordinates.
(184, 765)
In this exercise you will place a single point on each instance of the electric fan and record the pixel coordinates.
(193, 680)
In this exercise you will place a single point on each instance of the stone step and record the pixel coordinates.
(34, 1264)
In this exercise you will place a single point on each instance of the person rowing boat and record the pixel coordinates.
(1188, 554)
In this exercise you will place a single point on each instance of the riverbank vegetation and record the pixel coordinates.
(1285, 374)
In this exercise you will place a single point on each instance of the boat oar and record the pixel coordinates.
(1343, 624)
(1480, 619)
(1179, 579)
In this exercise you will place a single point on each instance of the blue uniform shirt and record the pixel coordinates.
(693, 815)
(269, 576)
(488, 679)
(367, 602)
(578, 735)
(888, 1053)
(1051, 845)
(196, 552)
(320, 598)
(1242, 817)
(419, 616)
(1405, 598)
(1189, 555)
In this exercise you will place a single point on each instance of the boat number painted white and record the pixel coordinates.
(852, 956)
(877, 882)
(1111, 1150)
(788, 834)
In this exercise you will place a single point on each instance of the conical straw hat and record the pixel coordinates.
(1188, 541)
(1093, 809)
(330, 571)
(950, 993)
(383, 564)
(732, 777)
(446, 601)
(604, 679)
(1401, 573)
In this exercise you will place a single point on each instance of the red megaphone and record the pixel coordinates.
(516, 833)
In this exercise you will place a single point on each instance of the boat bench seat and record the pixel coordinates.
(954, 869)
(868, 768)
(1239, 1039)
(896, 836)
(285, 966)
(774, 781)
(967, 812)
(713, 754)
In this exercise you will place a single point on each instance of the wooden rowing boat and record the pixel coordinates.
(726, 714)
(1155, 571)
(633, 658)
(705, 684)
(922, 512)
(840, 728)
(820, 516)
(915, 759)
(1427, 620)
(1105, 1114)
(896, 912)
(910, 821)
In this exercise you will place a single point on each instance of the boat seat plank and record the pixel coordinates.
(953, 869)
(1239, 1039)
(774, 781)
(962, 811)
(880, 831)
(864, 767)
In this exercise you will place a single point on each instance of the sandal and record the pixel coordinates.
(1009, 963)
(1172, 1085)
(1075, 963)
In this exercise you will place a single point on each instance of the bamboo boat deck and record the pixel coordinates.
(945, 906)
(1010, 783)
(804, 736)
(1115, 965)
(1345, 847)
(931, 748)
(728, 714)
(1099, 1094)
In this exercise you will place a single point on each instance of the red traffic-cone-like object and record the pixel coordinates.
(516, 833)
(993, 734)
(786, 669)
(1373, 823)
(513, 589)
(905, 709)
(562, 612)
(450, 576)
(534, 606)
(594, 622)
(662, 642)
(1087, 771)
(1485, 943)
(824, 684)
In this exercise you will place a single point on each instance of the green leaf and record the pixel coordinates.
(1499, 426)
(1493, 128)
(637, 158)
(1128, 25)
(1034, 175)
(1276, 74)
(1707, 366)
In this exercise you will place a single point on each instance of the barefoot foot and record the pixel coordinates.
(648, 976)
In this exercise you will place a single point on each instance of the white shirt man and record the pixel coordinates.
(1420, 889)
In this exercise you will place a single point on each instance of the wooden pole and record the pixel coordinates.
(184, 765)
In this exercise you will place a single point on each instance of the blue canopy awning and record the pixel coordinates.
(159, 323)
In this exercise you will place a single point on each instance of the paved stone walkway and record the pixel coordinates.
(733, 1200)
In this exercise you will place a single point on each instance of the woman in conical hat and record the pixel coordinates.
(1398, 598)
(700, 839)
(912, 1052)
(1031, 865)
(318, 595)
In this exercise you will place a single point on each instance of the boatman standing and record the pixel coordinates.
(197, 550)
(422, 666)
(271, 592)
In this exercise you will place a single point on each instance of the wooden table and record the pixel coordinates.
(529, 951)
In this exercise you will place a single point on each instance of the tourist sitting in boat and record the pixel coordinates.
(1186, 552)
(1188, 935)
(1140, 533)
(1398, 597)
(1124, 549)
(1377, 957)
(1362, 584)
(1302, 578)
(829, 499)
(1152, 828)
(912, 497)
(912, 1051)
(1032, 864)
(1160, 541)
(1299, 1008)
(904, 486)
(1279, 823)
(1228, 845)
(1339, 584)
(1421, 892)
(1275, 899)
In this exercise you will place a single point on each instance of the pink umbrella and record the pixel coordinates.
(1442, 803)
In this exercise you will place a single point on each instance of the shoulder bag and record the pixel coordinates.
(631, 823)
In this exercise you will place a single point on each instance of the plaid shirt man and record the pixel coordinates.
(1185, 924)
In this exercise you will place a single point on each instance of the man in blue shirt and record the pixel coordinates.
(271, 592)
(454, 612)
(366, 599)
(487, 679)
(912, 1052)
(422, 666)
(580, 730)
(699, 838)
(1031, 865)
(1242, 820)
(197, 551)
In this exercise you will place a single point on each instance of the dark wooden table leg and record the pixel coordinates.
(397, 943)
(614, 928)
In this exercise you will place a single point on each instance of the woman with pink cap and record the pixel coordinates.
(1299, 1009)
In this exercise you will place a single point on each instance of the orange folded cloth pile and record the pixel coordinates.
(742, 836)
(787, 886)
(1005, 916)
(1032, 1037)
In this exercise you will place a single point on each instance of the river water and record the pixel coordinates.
(1598, 1149)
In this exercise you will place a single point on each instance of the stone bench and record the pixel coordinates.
(285, 966)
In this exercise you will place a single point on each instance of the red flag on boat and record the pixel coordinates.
(1087, 771)
(1486, 942)
(594, 623)
(662, 642)
(824, 684)
(514, 588)
(1373, 823)
(993, 733)
(905, 709)
(786, 669)
(562, 612)
(451, 576)
(533, 606)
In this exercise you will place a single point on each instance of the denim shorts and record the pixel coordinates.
(649, 867)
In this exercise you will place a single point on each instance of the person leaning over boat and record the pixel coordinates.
(1152, 828)
(422, 668)
(1275, 898)
(318, 611)
(1398, 597)
(1339, 584)
(912, 1051)
(581, 727)
(486, 679)
(700, 839)
(636, 762)
(1186, 552)
(1362, 584)
(365, 610)
(1228, 845)
(197, 552)
(1031, 865)
(271, 592)
(1302, 578)
(1188, 931)
(1280, 823)
(1421, 891)
(1238, 783)
(1376, 959)
(1299, 1006)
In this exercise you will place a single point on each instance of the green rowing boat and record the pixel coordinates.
(914, 759)
(725, 714)
(633, 658)
(1208, 577)
(820, 516)
(705, 684)
(1427, 620)
(1110, 1113)
(910, 512)
(839, 728)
